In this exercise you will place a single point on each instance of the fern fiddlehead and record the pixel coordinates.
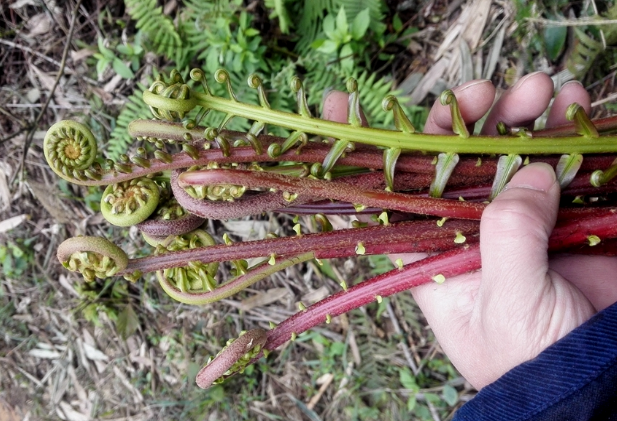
(232, 359)
(255, 172)
(129, 202)
(170, 219)
(93, 257)
(70, 149)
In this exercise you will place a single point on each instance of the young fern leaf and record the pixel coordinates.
(402, 123)
(584, 54)
(70, 150)
(93, 257)
(231, 287)
(582, 123)
(507, 166)
(297, 87)
(567, 168)
(446, 162)
(458, 124)
(159, 28)
(134, 109)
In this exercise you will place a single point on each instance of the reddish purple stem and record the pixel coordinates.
(450, 263)
(337, 191)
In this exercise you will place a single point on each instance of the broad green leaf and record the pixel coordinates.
(127, 322)
(328, 47)
(329, 26)
(341, 21)
(281, 11)
(411, 403)
(432, 398)
(101, 66)
(244, 20)
(317, 43)
(554, 40)
(407, 379)
(104, 50)
(397, 24)
(122, 69)
(346, 57)
(360, 24)
(125, 49)
(450, 395)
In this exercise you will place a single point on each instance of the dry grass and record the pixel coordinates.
(55, 364)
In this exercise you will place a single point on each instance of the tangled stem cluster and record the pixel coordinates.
(181, 173)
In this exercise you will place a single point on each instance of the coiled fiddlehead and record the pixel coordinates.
(93, 257)
(170, 101)
(129, 202)
(232, 359)
(70, 149)
(170, 219)
(196, 277)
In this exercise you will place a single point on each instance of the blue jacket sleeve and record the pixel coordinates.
(573, 379)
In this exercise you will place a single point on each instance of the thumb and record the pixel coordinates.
(514, 233)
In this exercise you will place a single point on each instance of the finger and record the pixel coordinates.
(335, 107)
(447, 306)
(474, 98)
(570, 93)
(594, 276)
(514, 233)
(520, 105)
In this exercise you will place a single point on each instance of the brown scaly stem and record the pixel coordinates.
(403, 237)
(413, 236)
(244, 348)
(435, 268)
(579, 186)
(246, 205)
(159, 227)
(338, 191)
(275, 201)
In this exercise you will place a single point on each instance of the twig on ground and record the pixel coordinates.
(65, 54)
(402, 343)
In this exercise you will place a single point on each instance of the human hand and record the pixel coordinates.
(521, 302)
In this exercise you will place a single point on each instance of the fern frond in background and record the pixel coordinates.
(375, 7)
(134, 109)
(159, 28)
(213, 34)
(590, 46)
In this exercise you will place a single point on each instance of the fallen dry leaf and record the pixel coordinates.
(38, 25)
(13, 222)
(263, 298)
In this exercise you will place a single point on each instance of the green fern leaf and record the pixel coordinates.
(588, 48)
(134, 109)
(158, 27)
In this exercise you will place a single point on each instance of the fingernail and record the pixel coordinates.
(474, 83)
(537, 176)
(571, 82)
(524, 79)
(326, 93)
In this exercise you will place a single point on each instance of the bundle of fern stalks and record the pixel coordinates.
(180, 174)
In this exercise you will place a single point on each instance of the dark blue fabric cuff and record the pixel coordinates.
(573, 379)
